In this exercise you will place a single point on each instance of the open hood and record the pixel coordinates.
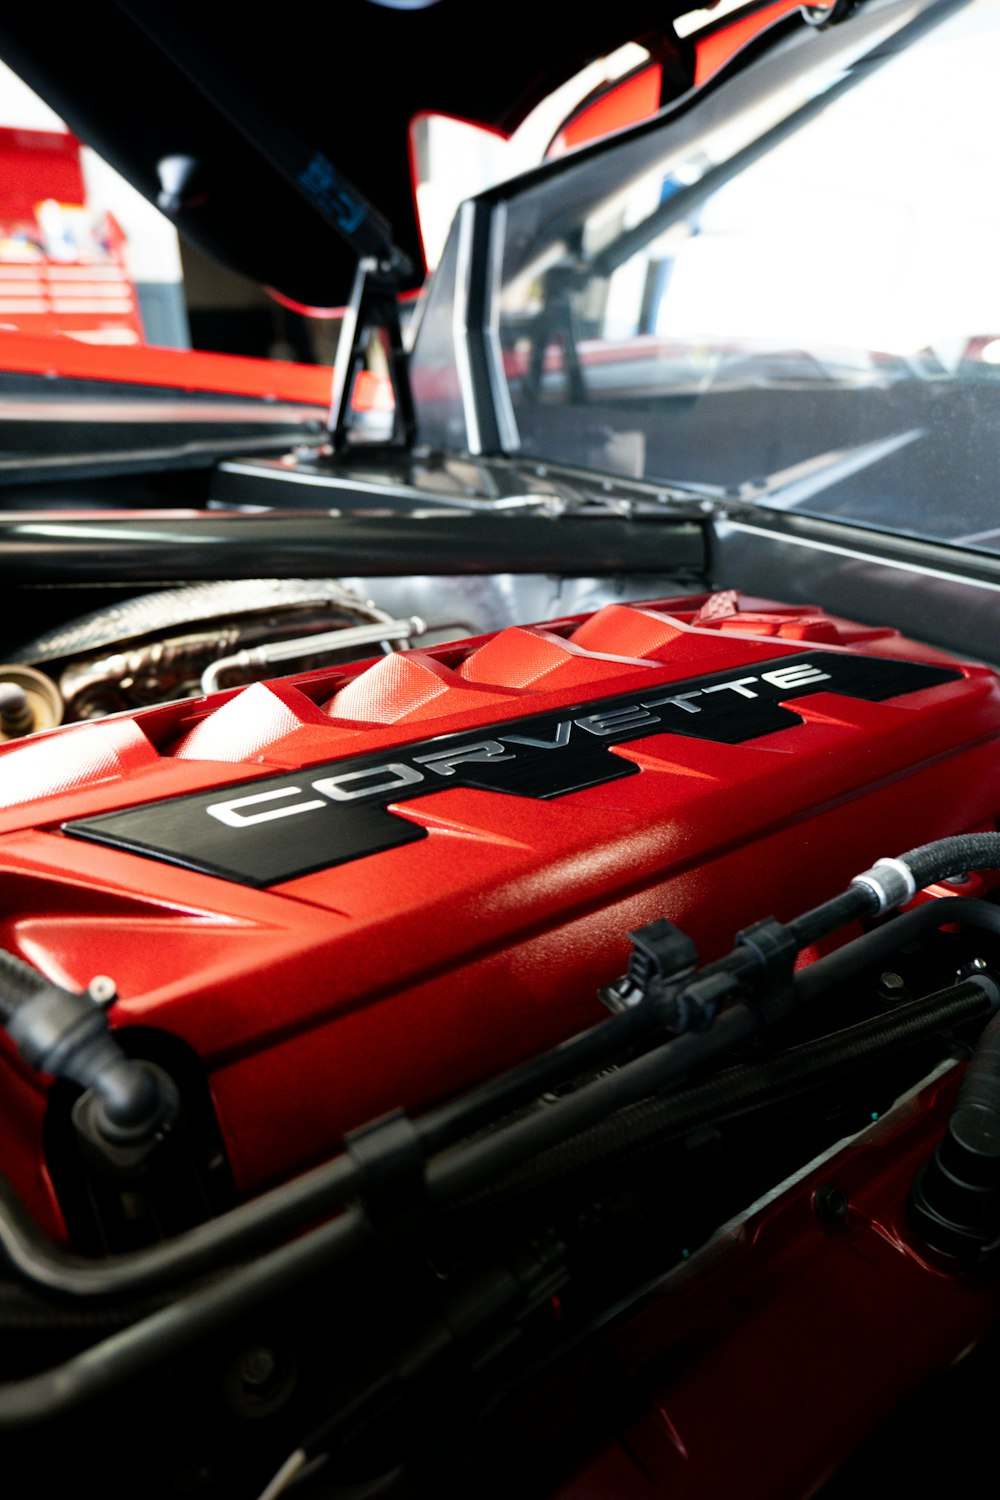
(255, 106)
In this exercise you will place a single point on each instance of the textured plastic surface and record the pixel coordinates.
(406, 975)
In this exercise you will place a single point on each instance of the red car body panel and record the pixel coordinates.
(791, 1341)
(179, 369)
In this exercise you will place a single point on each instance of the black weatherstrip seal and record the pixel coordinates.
(274, 828)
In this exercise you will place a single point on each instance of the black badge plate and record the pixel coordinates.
(274, 828)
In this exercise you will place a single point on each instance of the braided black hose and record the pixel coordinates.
(966, 851)
(19, 982)
(894, 882)
(23, 1310)
(651, 1122)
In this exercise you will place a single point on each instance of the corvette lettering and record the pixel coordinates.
(289, 824)
(634, 719)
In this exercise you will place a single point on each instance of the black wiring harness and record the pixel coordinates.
(397, 1174)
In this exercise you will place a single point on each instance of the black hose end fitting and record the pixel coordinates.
(128, 1105)
(121, 1142)
(955, 1201)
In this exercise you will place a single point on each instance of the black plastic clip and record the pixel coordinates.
(661, 955)
(390, 1160)
(695, 1007)
(775, 948)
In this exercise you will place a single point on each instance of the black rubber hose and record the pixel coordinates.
(172, 1329)
(579, 1054)
(750, 1086)
(22, 1309)
(66, 1035)
(881, 943)
(462, 1171)
(234, 1235)
(849, 906)
(282, 1210)
(606, 1042)
(966, 851)
(19, 983)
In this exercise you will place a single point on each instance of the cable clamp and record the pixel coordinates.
(661, 955)
(389, 1157)
(775, 948)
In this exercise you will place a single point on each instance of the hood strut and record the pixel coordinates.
(374, 307)
(381, 264)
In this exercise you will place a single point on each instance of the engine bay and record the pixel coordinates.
(500, 952)
(449, 847)
(431, 1019)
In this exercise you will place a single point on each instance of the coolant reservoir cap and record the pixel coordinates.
(29, 701)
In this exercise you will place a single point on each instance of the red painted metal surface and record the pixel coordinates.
(637, 96)
(722, 42)
(179, 369)
(762, 1363)
(625, 103)
(404, 976)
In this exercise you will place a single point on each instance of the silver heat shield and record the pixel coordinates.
(158, 646)
(181, 642)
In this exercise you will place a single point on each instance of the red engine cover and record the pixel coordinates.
(370, 887)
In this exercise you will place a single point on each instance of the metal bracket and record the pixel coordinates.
(374, 307)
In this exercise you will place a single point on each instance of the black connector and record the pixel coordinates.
(775, 948)
(120, 1141)
(661, 955)
(128, 1106)
(696, 1006)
